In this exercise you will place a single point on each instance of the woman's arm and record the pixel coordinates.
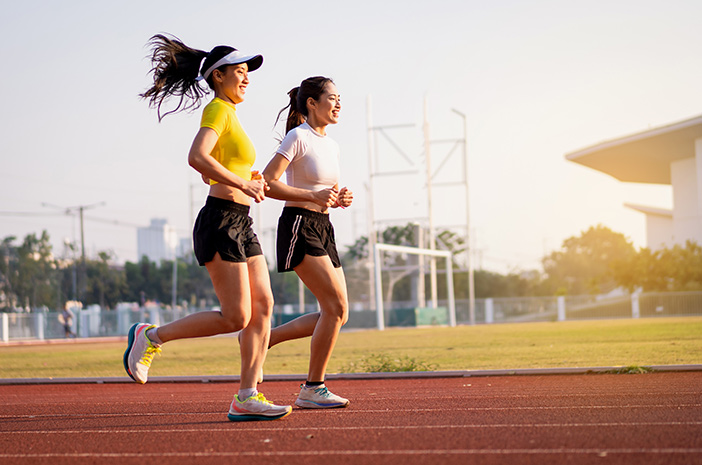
(281, 191)
(199, 158)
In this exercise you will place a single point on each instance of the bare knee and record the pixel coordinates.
(234, 320)
(339, 311)
(262, 308)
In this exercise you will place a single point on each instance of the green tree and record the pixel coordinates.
(670, 269)
(194, 284)
(585, 263)
(140, 279)
(491, 284)
(149, 281)
(36, 278)
(683, 266)
(106, 282)
(8, 272)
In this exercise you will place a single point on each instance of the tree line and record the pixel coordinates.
(597, 261)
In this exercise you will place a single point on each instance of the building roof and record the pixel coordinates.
(651, 210)
(645, 156)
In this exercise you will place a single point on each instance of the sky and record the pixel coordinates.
(536, 80)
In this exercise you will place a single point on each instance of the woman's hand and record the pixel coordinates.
(345, 198)
(256, 189)
(326, 197)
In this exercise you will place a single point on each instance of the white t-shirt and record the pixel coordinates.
(314, 159)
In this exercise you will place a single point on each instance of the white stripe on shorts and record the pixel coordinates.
(296, 227)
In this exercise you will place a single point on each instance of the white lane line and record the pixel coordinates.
(601, 452)
(464, 397)
(136, 430)
(351, 410)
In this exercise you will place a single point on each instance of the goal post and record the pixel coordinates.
(414, 251)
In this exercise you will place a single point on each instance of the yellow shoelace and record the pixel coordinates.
(262, 398)
(149, 355)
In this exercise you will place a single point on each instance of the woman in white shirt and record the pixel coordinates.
(306, 241)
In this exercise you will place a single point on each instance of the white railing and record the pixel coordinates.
(93, 322)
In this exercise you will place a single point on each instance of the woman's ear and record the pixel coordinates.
(311, 102)
(217, 75)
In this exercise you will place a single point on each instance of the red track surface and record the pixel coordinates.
(574, 419)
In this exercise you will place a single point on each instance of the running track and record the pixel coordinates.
(549, 419)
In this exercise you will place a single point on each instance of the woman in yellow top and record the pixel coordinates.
(223, 238)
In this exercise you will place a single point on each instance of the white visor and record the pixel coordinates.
(234, 58)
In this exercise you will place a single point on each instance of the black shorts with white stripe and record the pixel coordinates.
(304, 232)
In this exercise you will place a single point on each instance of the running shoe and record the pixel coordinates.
(256, 408)
(140, 352)
(319, 397)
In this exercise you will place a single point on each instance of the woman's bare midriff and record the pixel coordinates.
(222, 191)
(307, 205)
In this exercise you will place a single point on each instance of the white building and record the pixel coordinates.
(669, 155)
(158, 241)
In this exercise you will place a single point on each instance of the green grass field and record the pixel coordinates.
(664, 341)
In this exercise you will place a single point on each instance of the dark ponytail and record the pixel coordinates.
(175, 69)
(311, 87)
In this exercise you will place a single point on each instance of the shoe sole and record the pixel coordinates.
(310, 404)
(130, 344)
(256, 417)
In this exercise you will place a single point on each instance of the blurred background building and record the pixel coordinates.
(158, 241)
(670, 155)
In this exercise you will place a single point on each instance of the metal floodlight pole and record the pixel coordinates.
(174, 282)
(370, 211)
(370, 207)
(379, 309)
(469, 245)
(432, 239)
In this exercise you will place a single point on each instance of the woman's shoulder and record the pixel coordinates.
(297, 133)
(219, 113)
(217, 105)
(301, 130)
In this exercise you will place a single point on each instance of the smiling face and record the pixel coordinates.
(326, 109)
(230, 84)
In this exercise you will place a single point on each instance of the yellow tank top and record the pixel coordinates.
(234, 150)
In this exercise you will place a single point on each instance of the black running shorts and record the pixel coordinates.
(304, 232)
(225, 227)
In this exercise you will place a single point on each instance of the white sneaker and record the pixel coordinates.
(140, 352)
(319, 397)
(256, 408)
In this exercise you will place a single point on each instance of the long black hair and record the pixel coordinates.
(175, 69)
(310, 87)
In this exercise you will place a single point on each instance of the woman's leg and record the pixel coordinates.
(328, 285)
(254, 338)
(231, 284)
(302, 326)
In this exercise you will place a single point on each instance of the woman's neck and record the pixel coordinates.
(318, 127)
(223, 97)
